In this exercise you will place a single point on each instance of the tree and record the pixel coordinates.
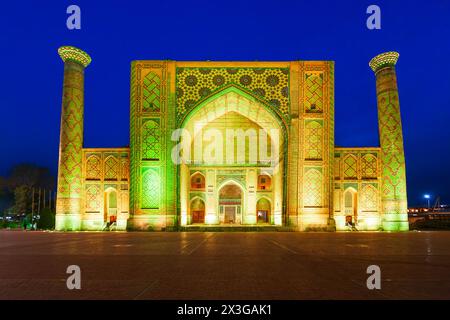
(3, 185)
(47, 219)
(30, 176)
(21, 199)
(6, 197)
(22, 181)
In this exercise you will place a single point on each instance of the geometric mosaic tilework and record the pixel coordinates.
(152, 119)
(386, 59)
(151, 90)
(313, 140)
(268, 84)
(104, 168)
(111, 168)
(151, 140)
(125, 168)
(369, 166)
(93, 168)
(391, 141)
(357, 163)
(69, 53)
(314, 93)
(134, 161)
(313, 186)
(93, 198)
(151, 190)
(369, 198)
(316, 107)
(71, 142)
(350, 167)
(106, 164)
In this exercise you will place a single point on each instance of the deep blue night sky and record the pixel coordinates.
(116, 32)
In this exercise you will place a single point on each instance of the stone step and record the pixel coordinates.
(200, 228)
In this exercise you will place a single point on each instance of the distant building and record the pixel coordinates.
(421, 209)
(441, 212)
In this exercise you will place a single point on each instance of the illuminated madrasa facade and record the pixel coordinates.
(298, 180)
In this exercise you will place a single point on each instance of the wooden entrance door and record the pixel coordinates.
(198, 211)
(230, 214)
(198, 216)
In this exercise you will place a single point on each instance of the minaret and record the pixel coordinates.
(68, 203)
(393, 197)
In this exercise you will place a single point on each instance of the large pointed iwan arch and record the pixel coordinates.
(234, 100)
(276, 113)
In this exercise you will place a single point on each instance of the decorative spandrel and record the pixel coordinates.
(268, 84)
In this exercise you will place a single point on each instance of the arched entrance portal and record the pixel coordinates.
(110, 206)
(198, 210)
(263, 211)
(232, 154)
(230, 204)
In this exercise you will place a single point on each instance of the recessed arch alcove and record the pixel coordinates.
(257, 136)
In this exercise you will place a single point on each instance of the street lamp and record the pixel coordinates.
(427, 196)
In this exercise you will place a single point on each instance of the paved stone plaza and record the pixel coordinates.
(191, 265)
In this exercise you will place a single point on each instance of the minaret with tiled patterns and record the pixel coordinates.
(68, 203)
(393, 197)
